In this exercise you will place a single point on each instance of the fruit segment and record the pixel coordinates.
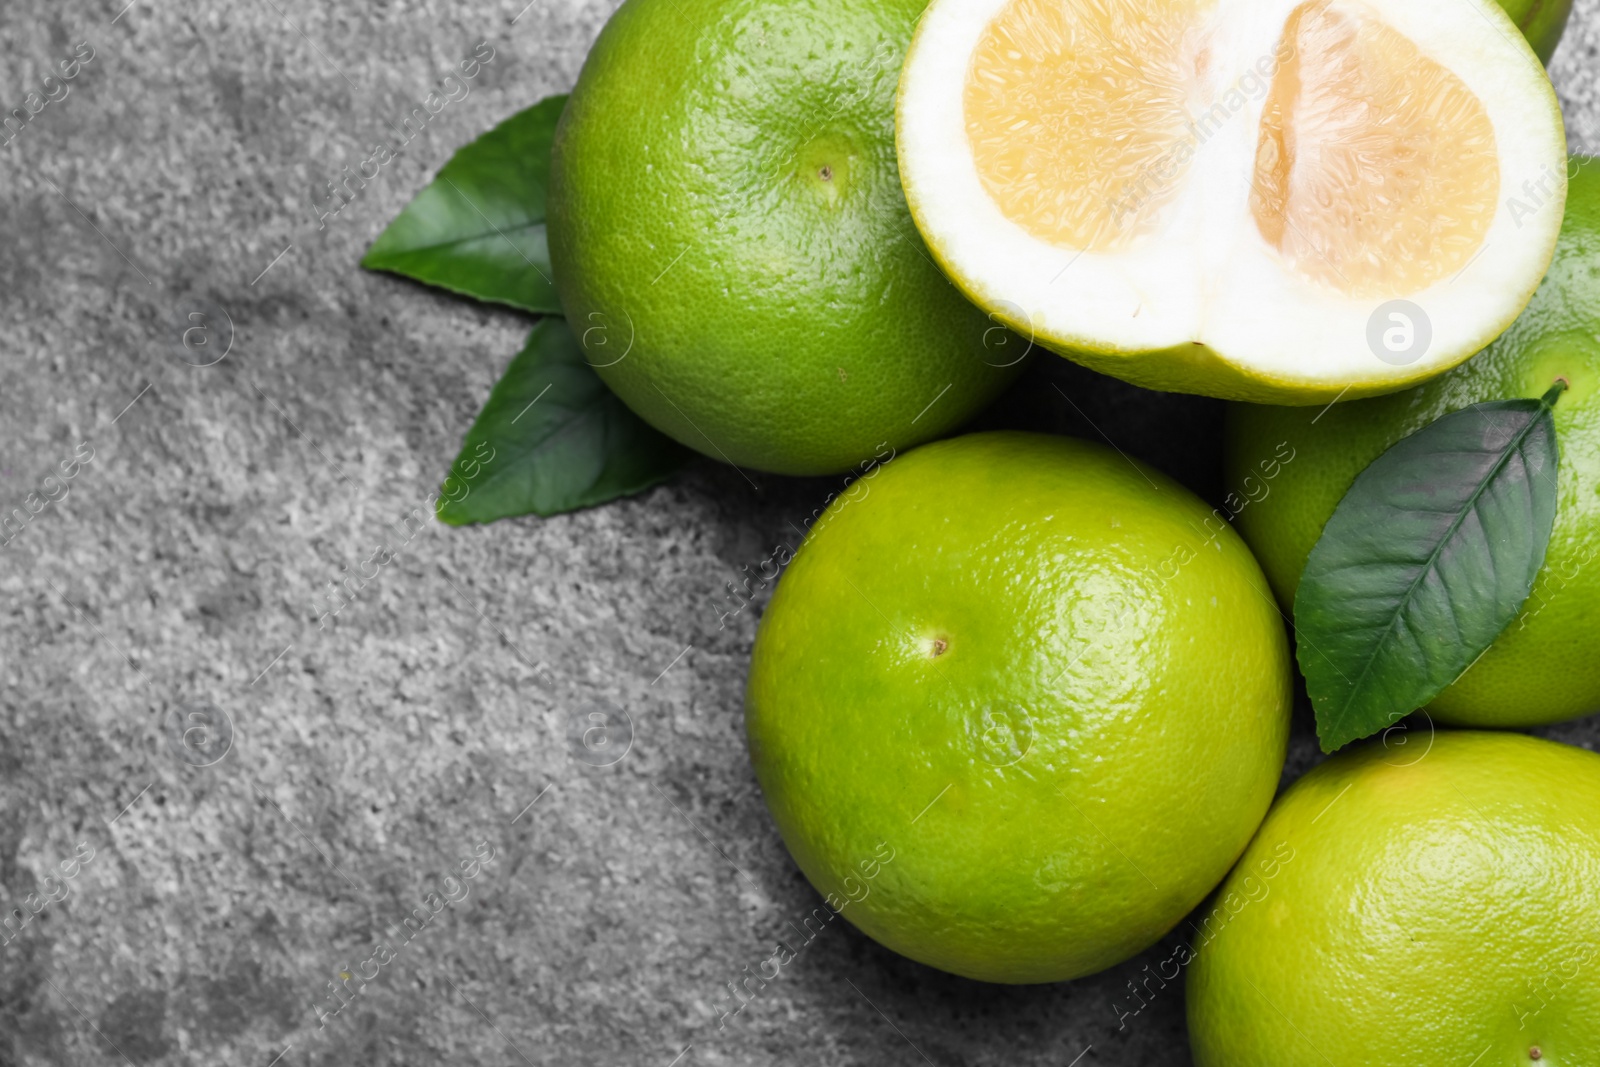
(1376, 169)
(1072, 104)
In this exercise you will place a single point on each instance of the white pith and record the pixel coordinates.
(1205, 274)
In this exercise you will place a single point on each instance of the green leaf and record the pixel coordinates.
(552, 438)
(478, 228)
(1426, 559)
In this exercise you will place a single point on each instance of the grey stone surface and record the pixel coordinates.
(374, 753)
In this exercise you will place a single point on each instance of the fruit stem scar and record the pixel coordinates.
(1534, 1053)
(939, 645)
(1554, 392)
(826, 173)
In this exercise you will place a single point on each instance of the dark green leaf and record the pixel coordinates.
(1426, 559)
(478, 228)
(552, 438)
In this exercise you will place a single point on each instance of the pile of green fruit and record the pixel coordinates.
(806, 237)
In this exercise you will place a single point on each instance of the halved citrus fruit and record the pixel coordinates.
(1271, 200)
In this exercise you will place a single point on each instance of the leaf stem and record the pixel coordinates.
(1553, 393)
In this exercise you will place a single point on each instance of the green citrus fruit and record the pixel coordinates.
(730, 239)
(1542, 668)
(1412, 906)
(1026, 671)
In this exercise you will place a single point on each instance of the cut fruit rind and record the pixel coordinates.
(1285, 201)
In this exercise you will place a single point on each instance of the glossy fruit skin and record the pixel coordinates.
(725, 208)
(1541, 22)
(1090, 751)
(1438, 905)
(1543, 667)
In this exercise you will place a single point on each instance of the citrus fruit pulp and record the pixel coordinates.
(1438, 905)
(1029, 669)
(1541, 669)
(1218, 196)
(731, 243)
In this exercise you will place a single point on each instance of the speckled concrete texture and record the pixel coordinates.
(410, 755)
